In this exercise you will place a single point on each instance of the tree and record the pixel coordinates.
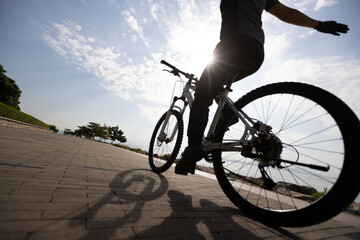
(84, 131)
(9, 90)
(90, 131)
(98, 131)
(116, 134)
(68, 131)
(53, 127)
(93, 130)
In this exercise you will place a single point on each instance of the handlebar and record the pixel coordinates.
(167, 64)
(176, 71)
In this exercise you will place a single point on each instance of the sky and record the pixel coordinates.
(81, 61)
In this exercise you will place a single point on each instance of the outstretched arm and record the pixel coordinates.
(296, 17)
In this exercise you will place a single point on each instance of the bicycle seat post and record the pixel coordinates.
(230, 82)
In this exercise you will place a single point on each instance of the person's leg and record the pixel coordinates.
(210, 84)
(244, 54)
(248, 60)
(206, 90)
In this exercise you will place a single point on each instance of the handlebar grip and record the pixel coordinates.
(176, 71)
(167, 64)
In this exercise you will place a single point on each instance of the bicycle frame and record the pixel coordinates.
(208, 144)
(247, 121)
(264, 164)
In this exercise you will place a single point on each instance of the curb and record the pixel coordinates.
(7, 122)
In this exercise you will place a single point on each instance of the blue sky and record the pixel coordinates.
(84, 60)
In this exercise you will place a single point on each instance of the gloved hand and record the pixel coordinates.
(332, 27)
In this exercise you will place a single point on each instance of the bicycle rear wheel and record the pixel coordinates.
(164, 146)
(310, 126)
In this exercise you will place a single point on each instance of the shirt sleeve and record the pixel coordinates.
(270, 4)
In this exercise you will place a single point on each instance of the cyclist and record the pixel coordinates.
(240, 50)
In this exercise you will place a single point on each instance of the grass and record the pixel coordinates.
(12, 113)
(137, 150)
(318, 195)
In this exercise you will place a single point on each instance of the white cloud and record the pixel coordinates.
(135, 26)
(104, 62)
(192, 38)
(302, 5)
(308, 33)
(188, 10)
(324, 3)
(316, 5)
(152, 112)
(187, 40)
(189, 36)
(335, 74)
(277, 44)
(69, 42)
(155, 9)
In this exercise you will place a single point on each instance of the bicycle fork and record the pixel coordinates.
(173, 107)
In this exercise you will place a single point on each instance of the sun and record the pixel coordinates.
(192, 44)
(201, 56)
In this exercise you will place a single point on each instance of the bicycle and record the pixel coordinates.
(289, 159)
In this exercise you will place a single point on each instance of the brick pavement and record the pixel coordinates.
(61, 187)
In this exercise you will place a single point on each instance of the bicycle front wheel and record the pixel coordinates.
(166, 141)
(312, 130)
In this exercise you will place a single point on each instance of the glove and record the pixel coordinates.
(332, 27)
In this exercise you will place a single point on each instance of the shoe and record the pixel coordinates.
(188, 160)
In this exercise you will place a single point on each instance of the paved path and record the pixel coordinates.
(61, 187)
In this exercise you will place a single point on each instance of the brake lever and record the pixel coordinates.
(175, 72)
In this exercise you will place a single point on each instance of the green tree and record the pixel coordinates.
(53, 127)
(9, 90)
(68, 131)
(98, 131)
(84, 131)
(93, 130)
(116, 134)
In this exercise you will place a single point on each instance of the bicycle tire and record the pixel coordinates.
(162, 154)
(265, 204)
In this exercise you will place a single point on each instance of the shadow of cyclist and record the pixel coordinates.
(246, 227)
(209, 221)
(133, 186)
(176, 225)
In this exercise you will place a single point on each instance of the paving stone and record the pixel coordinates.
(14, 235)
(20, 215)
(62, 187)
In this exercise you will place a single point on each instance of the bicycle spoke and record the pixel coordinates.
(165, 141)
(317, 160)
(312, 134)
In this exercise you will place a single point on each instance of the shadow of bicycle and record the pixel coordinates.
(209, 221)
(119, 213)
(123, 204)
